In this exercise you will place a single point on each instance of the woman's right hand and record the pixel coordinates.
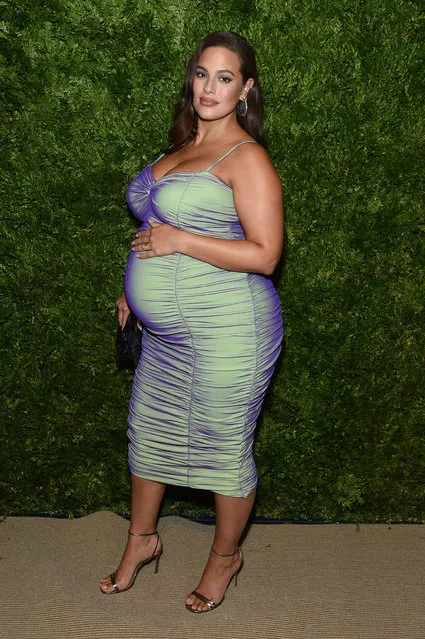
(123, 310)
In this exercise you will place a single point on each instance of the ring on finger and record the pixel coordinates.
(145, 247)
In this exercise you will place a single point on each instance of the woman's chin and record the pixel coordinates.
(208, 114)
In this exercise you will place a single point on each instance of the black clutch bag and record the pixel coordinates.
(129, 344)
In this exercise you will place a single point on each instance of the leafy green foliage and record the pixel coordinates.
(88, 89)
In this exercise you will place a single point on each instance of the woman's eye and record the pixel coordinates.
(226, 79)
(200, 74)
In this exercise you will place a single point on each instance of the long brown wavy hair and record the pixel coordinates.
(185, 122)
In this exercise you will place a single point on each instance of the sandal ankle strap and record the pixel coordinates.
(232, 554)
(143, 534)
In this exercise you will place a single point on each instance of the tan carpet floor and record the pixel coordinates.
(299, 581)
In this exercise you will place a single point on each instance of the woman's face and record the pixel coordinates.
(217, 85)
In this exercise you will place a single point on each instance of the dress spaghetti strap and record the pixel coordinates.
(229, 152)
(157, 159)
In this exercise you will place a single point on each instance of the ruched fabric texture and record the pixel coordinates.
(210, 342)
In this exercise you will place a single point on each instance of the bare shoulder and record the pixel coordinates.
(251, 163)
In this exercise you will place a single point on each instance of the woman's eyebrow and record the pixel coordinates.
(199, 66)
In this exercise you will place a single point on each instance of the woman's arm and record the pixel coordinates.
(257, 194)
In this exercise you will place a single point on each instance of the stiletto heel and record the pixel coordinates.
(211, 604)
(155, 556)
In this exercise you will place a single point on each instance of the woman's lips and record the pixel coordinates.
(207, 102)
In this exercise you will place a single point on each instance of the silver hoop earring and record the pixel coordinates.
(243, 107)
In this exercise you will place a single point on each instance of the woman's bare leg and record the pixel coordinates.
(231, 517)
(146, 497)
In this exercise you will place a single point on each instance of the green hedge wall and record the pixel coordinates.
(88, 92)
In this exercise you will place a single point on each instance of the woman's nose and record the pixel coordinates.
(209, 86)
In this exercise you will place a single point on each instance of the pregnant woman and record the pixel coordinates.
(212, 230)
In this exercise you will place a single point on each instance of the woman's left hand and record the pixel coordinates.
(159, 240)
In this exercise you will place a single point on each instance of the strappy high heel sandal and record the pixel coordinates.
(155, 556)
(211, 604)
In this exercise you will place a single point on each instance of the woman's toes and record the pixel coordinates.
(196, 604)
(193, 602)
(104, 584)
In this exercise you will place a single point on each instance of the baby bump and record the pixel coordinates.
(149, 288)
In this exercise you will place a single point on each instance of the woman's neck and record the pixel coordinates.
(212, 132)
